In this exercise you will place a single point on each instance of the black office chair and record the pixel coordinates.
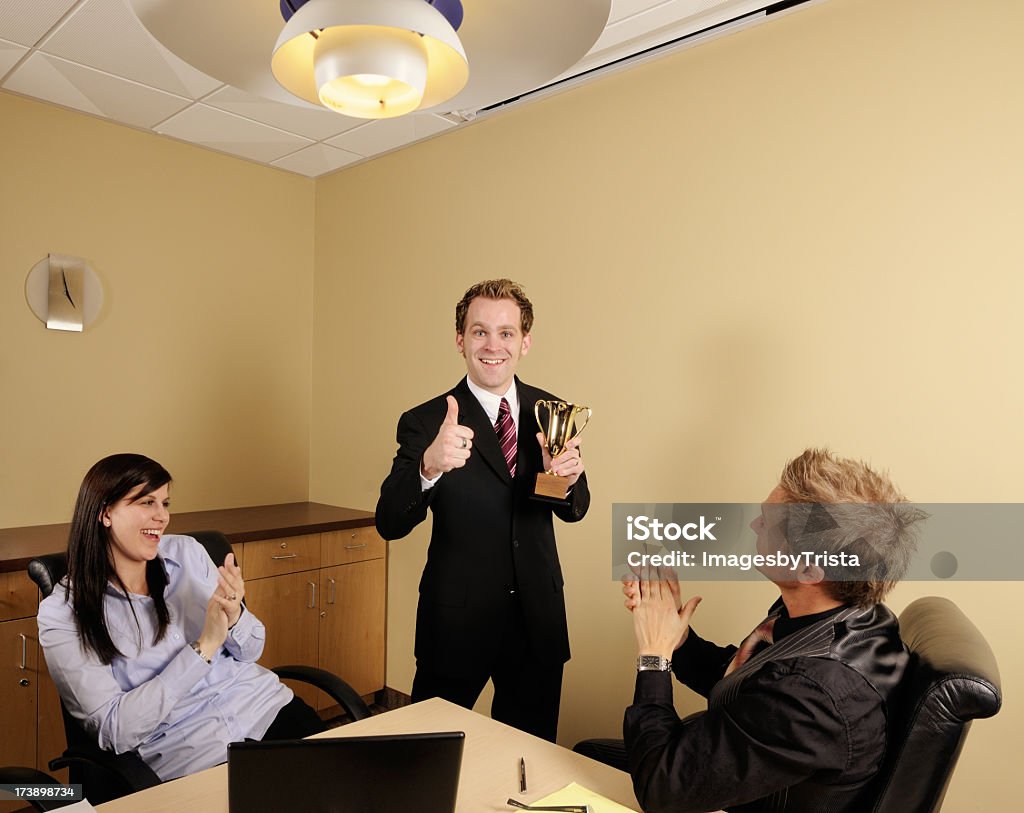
(30, 776)
(106, 775)
(951, 680)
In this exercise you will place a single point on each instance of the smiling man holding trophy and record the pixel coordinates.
(491, 603)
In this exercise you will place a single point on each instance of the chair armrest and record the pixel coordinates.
(30, 776)
(337, 688)
(128, 771)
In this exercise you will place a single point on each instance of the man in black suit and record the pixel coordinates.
(491, 604)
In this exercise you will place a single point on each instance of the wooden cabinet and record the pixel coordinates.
(19, 654)
(323, 599)
(352, 625)
(19, 674)
(19, 678)
(287, 606)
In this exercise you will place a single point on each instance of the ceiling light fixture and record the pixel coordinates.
(514, 46)
(372, 59)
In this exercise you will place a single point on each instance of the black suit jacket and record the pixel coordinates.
(489, 536)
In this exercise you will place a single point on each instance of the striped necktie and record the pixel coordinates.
(756, 641)
(506, 429)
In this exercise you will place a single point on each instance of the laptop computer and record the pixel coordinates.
(393, 773)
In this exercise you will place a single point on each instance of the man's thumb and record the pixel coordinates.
(453, 411)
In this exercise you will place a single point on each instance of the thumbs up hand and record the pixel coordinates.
(451, 448)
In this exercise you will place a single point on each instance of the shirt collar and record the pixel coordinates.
(492, 403)
(170, 566)
(787, 626)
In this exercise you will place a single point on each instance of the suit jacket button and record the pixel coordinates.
(515, 543)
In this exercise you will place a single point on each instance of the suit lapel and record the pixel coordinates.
(485, 439)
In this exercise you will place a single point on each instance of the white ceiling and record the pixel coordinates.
(96, 57)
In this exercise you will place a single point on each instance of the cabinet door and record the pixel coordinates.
(18, 679)
(289, 607)
(17, 595)
(352, 624)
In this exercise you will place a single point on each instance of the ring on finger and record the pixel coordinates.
(464, 444)
(233, 597)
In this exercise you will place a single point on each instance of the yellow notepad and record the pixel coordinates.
(575, 794)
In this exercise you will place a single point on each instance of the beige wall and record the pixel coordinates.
(806, 233)
(201, 357)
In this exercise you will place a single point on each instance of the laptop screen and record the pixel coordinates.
(413, 773)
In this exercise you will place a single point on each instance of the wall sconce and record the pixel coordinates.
(64, 292)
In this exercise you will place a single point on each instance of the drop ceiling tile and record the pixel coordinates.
(312, 122)
(25, 23)
(10, 53)
(229, 133)
(106, 34)
(71, 85)
(380, 136)
(317, 159)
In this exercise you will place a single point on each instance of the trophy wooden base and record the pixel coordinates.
(551, 487)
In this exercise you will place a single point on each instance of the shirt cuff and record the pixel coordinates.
(242, 630)
(425, 484)
(183, 672)
(653, 687)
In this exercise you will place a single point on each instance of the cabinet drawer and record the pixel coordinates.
(272, 557)
(18, 596)
(353, 545)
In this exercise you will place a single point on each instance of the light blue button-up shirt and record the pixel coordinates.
(162, 699)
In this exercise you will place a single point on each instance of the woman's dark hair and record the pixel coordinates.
(90, 565)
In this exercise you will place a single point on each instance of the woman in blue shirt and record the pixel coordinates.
(148, 641)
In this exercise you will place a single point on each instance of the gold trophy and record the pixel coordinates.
(558, 430)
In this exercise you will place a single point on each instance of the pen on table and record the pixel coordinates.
(522, 774)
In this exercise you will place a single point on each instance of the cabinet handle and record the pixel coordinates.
(355, 547)
(24, 650)
(312, 594)
(286, 556)
(330, 599)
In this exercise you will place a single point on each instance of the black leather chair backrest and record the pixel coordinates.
(951, 680)
(47, 570)
(215, 542)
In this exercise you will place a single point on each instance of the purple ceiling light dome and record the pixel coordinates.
(450, 9)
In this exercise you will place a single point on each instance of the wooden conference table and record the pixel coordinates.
(490, 766)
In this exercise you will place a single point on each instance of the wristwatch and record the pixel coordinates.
(653, 663)
(198, 651)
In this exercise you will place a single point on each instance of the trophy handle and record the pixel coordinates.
(579, 411)
(536, 415)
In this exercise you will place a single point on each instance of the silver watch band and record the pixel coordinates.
(653, 663)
